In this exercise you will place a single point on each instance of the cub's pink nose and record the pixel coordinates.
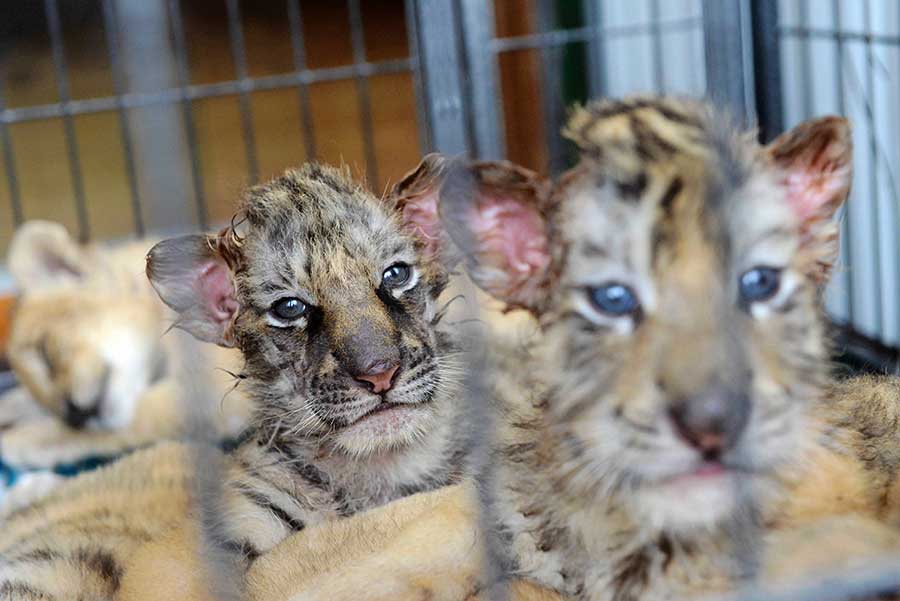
(381, 381)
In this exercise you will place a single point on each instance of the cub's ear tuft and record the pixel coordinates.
(497, 215)
(194, 276)
(816, 162)
(42, 254)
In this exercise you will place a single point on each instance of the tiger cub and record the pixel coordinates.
(682, 357)
(331, 295)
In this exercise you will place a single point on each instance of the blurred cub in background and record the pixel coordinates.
(98, 376)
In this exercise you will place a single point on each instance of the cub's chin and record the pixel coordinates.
(698, 500)
(389, 428)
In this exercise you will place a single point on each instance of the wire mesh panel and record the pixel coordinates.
(125, 116)
(844, 57)
(527, 67)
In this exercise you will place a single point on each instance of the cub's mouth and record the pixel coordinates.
(380, 408)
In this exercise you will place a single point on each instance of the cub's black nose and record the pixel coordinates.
(76, 416)
(711, 422)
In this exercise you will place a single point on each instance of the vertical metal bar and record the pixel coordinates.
(190, 128)
(440, 66)
(112, 42)
(726, 27)
(9, 163)
(767, 69)
(358, 42)
(54, 25)
(846, 258)
(659, 80)
(298, 47)
(550, 89)
(596, 54)
(239, 55)
(412, 34)
(484, 88)
(879, 220)
(806, 61)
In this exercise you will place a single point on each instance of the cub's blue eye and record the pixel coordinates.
(759, 284)
(396, 275)
(614, 299)
(289, 309)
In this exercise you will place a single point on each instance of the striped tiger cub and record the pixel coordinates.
(331, 295)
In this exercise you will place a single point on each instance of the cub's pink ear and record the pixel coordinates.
(496, 213)
(193, 275)
(816, 161)
(416, 197)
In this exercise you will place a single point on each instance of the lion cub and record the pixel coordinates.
(88, 345)
(675, 272)
(331, 295)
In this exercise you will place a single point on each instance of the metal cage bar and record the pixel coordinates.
(203, 91)
(187, 109)
(298, 48)
(9, 165)
(484, 86)
(364, 98)
(729, 82)
(412, 35)
(767, 69)
(550, 85)
(656, 41)
(57, 45)
(118, 77)
(239, 55)
(439, 51)
(596, 55)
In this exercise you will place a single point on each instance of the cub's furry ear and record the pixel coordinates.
(415, 196)
(816, 162)
(194, 275)
(496, 213)
(42, 253)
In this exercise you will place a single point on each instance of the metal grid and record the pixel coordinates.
(644, 27)
(844, 57)
(184, 94)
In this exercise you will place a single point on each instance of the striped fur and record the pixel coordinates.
(603, 496)
(316, 451)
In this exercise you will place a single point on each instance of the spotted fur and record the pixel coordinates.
(324, 443)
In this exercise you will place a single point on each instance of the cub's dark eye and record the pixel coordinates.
(289, 309)
(759, 284)
(396, 275)
(614, 299)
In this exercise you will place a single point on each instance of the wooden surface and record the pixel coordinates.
(6, 303)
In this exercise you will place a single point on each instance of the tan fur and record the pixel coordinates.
(141, 494)
(336, 561)
(89, 330)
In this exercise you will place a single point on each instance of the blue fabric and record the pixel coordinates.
(9, 475)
